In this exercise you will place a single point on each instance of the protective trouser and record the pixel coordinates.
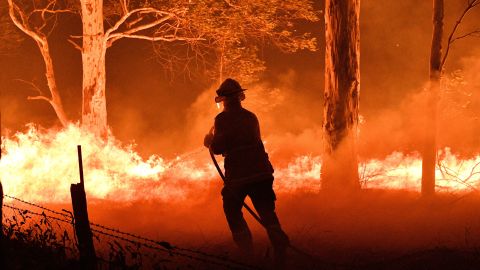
(263, 198)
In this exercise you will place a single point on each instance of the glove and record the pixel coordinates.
(207, 141)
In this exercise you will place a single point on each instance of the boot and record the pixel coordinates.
(279, 257)
(244, 242)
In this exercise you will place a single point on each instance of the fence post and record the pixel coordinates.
(1, 200)
(1, 211)
(2, 244)
(1, 187)
(88, 259)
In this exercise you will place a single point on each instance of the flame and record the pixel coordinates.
(39, 165)
(396, 171)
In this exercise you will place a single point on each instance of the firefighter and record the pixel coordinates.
(248, 171)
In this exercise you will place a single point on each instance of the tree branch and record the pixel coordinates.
(125, 17)
(34, 86)
(168, 38)
(37, 89)
(116, 36)
(40, 98)
(130, 24)
(473, 33)
(470, 5)
(165, 30)
(49, 11)
(75, 45)
(22, 23)
(124, 5)
(21, 20)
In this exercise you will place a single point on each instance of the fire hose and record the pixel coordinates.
(250, 210)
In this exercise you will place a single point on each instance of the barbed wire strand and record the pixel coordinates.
(36, 205)
(167, 245)
(164, 246)
(172, 252)
(37, 214)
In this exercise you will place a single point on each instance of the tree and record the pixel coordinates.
(9, 40)
(437, 62)
(37, 23)
(236, 31)
(342, 89)
(125, 19)
(9, 35)
(154, 21)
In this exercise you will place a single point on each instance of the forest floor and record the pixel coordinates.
(374, 229)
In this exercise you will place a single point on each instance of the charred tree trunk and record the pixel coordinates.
(342, 89)
(94, 107)
(429, 154)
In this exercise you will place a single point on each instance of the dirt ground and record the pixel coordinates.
(373, 229)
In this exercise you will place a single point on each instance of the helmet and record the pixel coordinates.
(228, 88)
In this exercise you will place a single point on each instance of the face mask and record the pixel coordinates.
(219, 99)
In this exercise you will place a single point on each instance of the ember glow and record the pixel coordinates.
(39, 165)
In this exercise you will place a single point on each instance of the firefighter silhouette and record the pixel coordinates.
(248, 171)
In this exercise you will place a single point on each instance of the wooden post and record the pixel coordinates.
(88, 259)
(1, 197)
(2, 251)
(1, 211)
(1, 187)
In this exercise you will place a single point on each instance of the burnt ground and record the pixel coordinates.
(374, 229)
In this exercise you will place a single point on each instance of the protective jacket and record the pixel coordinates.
(237, 138)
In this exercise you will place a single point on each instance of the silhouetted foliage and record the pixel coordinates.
(10, 36)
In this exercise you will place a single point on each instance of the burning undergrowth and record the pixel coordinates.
(40, 164)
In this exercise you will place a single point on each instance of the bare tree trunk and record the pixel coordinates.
(55, 100)
(342, 89)
(94, 108)
(429, 154)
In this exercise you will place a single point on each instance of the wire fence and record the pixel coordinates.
(45, 227)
